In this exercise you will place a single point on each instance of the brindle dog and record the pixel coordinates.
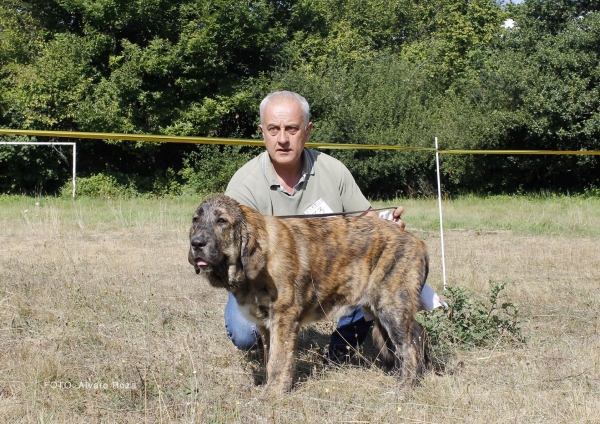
(288, 272)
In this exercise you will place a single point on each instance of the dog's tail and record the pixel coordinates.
(386, 348)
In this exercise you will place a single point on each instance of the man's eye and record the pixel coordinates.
(273, 131)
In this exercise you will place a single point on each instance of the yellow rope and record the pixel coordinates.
(248, 142)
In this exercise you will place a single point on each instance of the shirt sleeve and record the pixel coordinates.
(237, 190)
(243, 197)
(352, 198)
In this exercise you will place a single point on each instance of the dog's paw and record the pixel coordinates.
(272, 392)
(269, 394)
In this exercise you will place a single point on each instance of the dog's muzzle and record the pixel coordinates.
(197, 245)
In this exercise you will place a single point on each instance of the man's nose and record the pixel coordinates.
(282, 137)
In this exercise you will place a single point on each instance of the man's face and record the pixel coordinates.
(284, 132)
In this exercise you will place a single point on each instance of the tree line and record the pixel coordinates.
(477, 74)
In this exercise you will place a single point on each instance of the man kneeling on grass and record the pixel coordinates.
(289, 179)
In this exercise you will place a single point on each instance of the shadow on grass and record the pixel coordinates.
(312, 361)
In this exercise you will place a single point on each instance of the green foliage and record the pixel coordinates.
(539, 91)
(469, 322)
(182, 67)
(209, 169)
(379, 72)
(99, 186)
(20, 37)
(31, 169)
(167, 185)
(591, 192)
(327, 33)
(454, 38)
(47, 93)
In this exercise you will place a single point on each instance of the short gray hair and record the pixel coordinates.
(286, 95)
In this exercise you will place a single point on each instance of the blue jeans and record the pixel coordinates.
(352, 329)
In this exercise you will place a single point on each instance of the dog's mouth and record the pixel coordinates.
(199, 262)
(202, 264)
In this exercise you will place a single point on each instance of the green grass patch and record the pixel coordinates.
(576, 216)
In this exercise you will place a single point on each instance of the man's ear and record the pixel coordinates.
(308, 131)
(252, 257)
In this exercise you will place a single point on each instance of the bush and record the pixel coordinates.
(166, 185)
(101, 186)
(469, 323)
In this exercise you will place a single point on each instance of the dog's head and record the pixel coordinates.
(223, 245)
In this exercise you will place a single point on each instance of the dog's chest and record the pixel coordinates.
(245, 311)
(253, 309)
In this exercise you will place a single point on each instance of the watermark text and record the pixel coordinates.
(90, 385)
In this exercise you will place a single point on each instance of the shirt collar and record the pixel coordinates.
(308, 168)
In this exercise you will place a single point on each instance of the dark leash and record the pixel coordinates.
(325, 215)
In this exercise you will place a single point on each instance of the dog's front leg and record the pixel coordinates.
(266, 339)
(282, 349)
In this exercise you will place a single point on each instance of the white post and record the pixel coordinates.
(74, 167)
(437, 163)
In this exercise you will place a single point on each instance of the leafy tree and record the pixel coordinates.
(176, 67)
(542, 91)
(453, 39)
(325, 33)
(377, 72)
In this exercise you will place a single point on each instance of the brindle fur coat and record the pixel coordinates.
(288, 272)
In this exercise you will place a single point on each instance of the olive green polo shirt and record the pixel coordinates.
(326, 186)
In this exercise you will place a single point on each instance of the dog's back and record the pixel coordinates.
(350, 260)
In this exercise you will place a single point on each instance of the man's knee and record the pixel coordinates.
(243, 333)
(244, 338)
(430, 300)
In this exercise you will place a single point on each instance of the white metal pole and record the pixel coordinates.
(437, 163)
(74, 167)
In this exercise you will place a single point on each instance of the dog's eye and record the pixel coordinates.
(221, 221)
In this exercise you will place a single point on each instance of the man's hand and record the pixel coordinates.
(398, 218)
(397, 213)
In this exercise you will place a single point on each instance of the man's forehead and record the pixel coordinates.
(289, 111)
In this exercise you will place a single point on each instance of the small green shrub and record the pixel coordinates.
(166, 185)
(469, 323)
(591, 191)
(100, 186)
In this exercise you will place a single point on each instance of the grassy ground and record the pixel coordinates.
(103, 320)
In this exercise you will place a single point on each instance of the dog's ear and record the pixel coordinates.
(252, 256)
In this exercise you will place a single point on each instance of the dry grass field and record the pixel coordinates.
(103, 320)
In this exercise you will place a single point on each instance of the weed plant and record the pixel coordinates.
(468, 322)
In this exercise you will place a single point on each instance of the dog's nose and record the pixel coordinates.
(198, 242)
